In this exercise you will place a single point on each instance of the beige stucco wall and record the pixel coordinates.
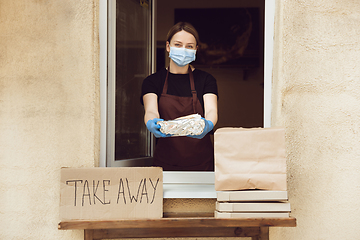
(316, 96)
(49, 104)
(49, 113)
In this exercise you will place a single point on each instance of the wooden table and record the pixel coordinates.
(257, 229)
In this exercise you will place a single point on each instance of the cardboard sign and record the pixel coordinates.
(111, 193)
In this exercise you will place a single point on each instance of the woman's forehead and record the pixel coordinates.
(183, 37)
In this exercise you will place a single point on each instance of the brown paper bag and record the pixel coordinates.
(252, 158)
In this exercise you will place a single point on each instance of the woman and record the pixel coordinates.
(178, 91)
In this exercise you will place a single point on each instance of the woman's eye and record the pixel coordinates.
(177, 45)
(190, 47)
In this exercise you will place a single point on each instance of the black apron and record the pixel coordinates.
(182, 153)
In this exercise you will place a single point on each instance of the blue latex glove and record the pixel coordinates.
(153, 127)
(208, 127)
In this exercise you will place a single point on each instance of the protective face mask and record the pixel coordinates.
(182, 56)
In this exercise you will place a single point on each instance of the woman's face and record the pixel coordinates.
(182, 39)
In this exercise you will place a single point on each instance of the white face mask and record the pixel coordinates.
(182, 56)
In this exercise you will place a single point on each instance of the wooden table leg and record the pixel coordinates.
(264, 234)
(88, 234)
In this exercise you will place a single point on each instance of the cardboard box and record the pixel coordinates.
(253, 207)
(111, 193)
(251, 214)
(251, 195)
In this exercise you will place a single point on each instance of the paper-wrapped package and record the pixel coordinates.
(250, 158)
(183, 126)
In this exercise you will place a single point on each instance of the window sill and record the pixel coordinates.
(189, 184)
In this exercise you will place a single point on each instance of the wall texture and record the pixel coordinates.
(316, 96)
(49, 108)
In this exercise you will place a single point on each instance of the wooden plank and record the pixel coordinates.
(180, 223)
(175, 232)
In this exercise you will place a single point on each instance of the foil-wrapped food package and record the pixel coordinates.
(183, 126)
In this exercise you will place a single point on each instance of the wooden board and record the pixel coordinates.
(179, 223)
(174, 232)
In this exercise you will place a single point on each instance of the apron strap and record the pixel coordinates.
(193, 91)
(166, 82)
(192, 85)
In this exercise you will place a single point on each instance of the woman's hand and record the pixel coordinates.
(208, 127)
(211, 116)
(153, 127)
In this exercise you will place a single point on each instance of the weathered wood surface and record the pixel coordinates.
(174, 232)
(179, 223)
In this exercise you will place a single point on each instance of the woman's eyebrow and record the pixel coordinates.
(190, 43)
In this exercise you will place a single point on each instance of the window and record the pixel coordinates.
(138, 40)
(129, 62)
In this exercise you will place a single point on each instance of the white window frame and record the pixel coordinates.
(182, 184)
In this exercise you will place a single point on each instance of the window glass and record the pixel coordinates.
(132, 66)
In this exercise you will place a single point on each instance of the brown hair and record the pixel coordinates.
(187, 27)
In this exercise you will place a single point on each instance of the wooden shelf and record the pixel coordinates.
(257, 228)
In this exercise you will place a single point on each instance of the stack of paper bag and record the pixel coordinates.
(252, 204)
(250, 158)
(250, 173)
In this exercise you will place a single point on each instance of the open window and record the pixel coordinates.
(132, 41)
